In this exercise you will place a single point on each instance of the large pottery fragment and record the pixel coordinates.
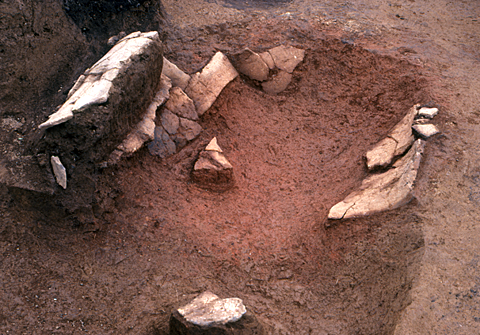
(395, 144)
(278, 83)
(287, 58)
(144, 130)
(208, 314)
(180, 104)
(108, 100)
(212, 170)
(205, 86)
(251, 64)
(177, 76)
(384, 191)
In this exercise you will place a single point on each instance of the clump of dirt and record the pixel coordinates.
(161, 240)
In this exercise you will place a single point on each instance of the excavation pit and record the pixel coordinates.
(295, 154)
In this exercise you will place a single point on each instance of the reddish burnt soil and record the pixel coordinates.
(159, 240)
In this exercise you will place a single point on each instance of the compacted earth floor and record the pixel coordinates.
(158, 240)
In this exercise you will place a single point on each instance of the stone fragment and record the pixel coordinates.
(180, 104)
(383, 153)
(267, 58)
(177, 76)
(204, 87)
(189, 129)
(108, 99)
(425, 130)
(208, 308)
(287, 58)
(385, 191)
(212, 170)
(162, 145)
(170, 122)
(428, 113)
(213, 146)
(251, 64)
(59, 171)
(278, 83)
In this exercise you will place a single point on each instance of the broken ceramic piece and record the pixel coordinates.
(94, 86)
(162, 145)
(145, 130)
(287, 58)
(208, 309)
(205, 86)
(59, 171)
(163, 93)
(384, 191)
(170, 122)
(382, 154)
(189, 129)
(177, 76)
(425, 130)
(212, 170)
(213, 146)
(278, 83)
(267, 58)
(395, 144)
(428, 113)
(251, 64)
(180, 104)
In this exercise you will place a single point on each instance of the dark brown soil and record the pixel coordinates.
(158, 240)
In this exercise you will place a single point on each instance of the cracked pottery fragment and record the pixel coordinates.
(208, 309)
(59, 171)
(395, 144)
(205, 86)
(384, 191)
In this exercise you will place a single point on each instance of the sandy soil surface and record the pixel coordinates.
(157, 240)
